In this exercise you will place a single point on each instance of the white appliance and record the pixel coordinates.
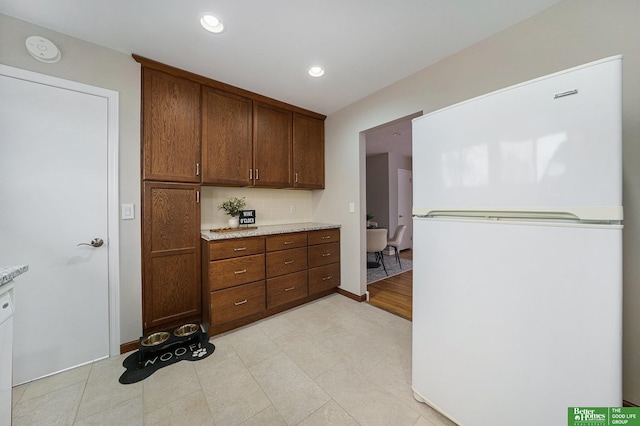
(517, 293)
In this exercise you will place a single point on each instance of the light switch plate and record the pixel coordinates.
(352, 207)
(128, 212)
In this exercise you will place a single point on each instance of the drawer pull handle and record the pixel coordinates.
(240, 272)
(326, 254)
(286, 243)
(326, 237)
(289, 289)
(327, 278)
(288, 262)
(241, 302)
(239, 249)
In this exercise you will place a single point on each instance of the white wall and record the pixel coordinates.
(382, 187)
(377, 188)
(91, 64)
(569, 34)
(272, 206)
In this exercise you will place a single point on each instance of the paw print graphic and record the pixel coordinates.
(199, 353)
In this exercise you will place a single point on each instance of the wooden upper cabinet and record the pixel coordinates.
(171, 127)
(227, 145)
(308, 152)
(272, 135)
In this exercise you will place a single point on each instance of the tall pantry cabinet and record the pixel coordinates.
(170, 204)
(197, 131)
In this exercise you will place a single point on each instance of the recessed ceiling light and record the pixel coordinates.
(211, 23)
(316, 72)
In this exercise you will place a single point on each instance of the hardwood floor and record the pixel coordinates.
(394, 294)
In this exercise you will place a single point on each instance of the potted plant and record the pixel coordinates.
(369, 217)
(232, 207)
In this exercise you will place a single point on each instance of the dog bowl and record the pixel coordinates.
(186, 330)
(155, 338)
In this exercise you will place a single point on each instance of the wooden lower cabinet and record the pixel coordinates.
(231, 272)
(247, 279)
(236, 302)
(287, 288)
(324, 260)
(324, 278)
(171, 255)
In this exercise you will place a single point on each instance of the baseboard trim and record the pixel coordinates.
(361, 298)
(128, 346)
(628, 404)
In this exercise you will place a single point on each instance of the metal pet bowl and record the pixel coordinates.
(186, 330)
(155, 338)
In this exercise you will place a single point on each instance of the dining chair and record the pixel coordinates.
(376, 242)
(396, 240)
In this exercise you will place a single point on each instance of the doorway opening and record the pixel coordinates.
(388, 200)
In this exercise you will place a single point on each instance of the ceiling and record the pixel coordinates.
(390, 137)
(268, 46)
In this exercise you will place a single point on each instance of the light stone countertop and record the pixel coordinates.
(8, 273)
(266, 230)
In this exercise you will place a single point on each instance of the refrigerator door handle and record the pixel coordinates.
(586, 214)
(493, 214)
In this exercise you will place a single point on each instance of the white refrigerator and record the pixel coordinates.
(517, 285)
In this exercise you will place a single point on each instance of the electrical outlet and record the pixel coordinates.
(292, 209)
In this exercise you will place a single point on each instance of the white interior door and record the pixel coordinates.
(405, 202)
(54, 192)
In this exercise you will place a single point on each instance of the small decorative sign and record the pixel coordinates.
(247, 217)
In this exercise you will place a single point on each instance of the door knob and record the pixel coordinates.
(96, 242)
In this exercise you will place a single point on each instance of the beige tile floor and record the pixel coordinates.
(330, 362)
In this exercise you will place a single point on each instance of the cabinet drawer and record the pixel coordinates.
(323, 254)
(286, 288)
(235, 248)
(286, 241)
(232, 272)
(233, 303)
(324, 277)
(286, 261)
(323, 236)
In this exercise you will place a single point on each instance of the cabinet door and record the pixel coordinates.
(323, 254)
(227, 145)
(171, 251)
(286, 288)
(272, 128)
(171, 127)
(308, 152)
(324, 278)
